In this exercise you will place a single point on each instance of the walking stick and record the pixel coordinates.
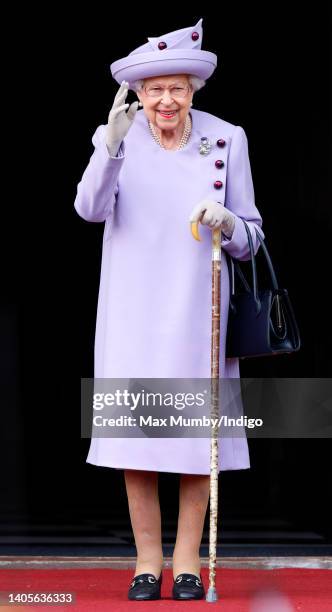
(212, 594)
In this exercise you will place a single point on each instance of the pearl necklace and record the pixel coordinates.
(185, 135)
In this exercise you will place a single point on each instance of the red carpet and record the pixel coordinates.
(306, 590)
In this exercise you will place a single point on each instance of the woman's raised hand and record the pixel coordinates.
(119, 121)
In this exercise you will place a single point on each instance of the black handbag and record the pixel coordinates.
(260, 322)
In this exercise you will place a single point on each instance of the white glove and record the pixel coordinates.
(119, 121)
(214, 215)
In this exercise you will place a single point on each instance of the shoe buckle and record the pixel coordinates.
(135, 581)
(197, 581)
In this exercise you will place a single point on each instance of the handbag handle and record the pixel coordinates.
(254, 271)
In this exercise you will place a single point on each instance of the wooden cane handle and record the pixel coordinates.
(215, 234)
(194, 230)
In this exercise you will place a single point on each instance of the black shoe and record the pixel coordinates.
(145, 587)
(188, 586)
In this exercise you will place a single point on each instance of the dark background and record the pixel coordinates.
(273, 78)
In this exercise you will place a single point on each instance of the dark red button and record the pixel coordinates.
(219, 163)
(221, 142)
(218, 184)
(162, 45)
(195, 36)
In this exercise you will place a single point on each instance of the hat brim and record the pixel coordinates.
(173, 61)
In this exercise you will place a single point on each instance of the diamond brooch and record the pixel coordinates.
(205, 146)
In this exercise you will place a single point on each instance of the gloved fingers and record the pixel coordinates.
(207, 218)
(132, 110)
(197, 211)
(216, 224)
(122, 90)
(122, 97)
(116, 111)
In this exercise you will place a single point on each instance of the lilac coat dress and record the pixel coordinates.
(154, 305)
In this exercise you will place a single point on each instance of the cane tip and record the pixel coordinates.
(211, 595)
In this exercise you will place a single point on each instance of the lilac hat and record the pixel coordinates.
(177, 52)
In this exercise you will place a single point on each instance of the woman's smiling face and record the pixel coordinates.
(157, 99)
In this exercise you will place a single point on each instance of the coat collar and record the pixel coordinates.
(204, 125)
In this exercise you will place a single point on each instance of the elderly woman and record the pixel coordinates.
(152, 171)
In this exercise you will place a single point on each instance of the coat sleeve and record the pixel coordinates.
(240, 199)
(98, 188)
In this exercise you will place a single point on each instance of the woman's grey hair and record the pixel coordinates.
(194, 81)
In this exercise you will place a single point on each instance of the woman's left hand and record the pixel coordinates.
(214, 214)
